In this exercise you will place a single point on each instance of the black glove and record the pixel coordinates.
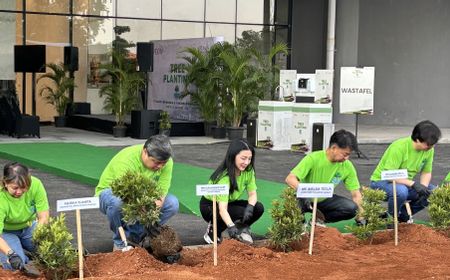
(305, 205)
(361, 222)
(248, 214)
(153, 230)
(421, 189)
(233, 231)
(15, 261)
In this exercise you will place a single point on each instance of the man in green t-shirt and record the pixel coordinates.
(414, 154)
(331, 166)
(154, 160)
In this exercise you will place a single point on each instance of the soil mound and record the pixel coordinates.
(120, 263)
(413, 233)
(329, 239)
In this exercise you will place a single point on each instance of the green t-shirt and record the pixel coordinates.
(245, 181)
(129, 159)
(402, 155)
(316, 168)
(19, 213)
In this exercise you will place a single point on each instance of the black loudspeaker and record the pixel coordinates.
(317, 137)
(71, 58)
(252, 131)
(144, 57)
(144, 123)
(29, 58)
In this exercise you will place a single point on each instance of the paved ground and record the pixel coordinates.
(270, 165)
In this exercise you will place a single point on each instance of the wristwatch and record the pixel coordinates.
(230, 224)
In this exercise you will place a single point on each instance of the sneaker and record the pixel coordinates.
(117, 247)
(209, 235)
(245, 236)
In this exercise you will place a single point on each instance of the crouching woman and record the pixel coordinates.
(23, 204)
(235, 215)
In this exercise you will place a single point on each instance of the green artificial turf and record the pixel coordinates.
(85, 163)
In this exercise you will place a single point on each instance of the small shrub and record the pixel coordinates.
(373, 213)
(439, 207)
(55, 253)
(287, 217)
(138, 194)
(164, 121)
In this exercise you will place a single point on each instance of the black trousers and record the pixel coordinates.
(235, 209)
(337, 208)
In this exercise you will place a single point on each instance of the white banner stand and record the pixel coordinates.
(213, 190)
(77, 204)
(314, 191)
(393, 175)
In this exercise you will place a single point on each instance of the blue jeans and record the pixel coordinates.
(18, 240)
(404, 193)
(111, 206)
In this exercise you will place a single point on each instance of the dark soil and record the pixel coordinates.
(422, 253)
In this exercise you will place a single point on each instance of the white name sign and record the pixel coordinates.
(212, 189)
(77, 203)
(315, 190)
(394, 174)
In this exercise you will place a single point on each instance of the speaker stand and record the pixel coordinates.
(358, 152)
(33, 94)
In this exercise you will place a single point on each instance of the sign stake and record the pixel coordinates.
(215, 229)
(313, 226)
(80, 245)
(394, 191)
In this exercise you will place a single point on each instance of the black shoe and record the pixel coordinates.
(305, 205)
(209, 235)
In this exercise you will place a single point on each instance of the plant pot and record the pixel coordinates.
(219, 132)
(60, 121)
(119, 131)
(165, 132)
(209, 127)
(235, 133)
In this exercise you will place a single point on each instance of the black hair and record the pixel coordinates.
(228, 166)
(159, 147)
(344, 139)
(427, 132)
(16, 173)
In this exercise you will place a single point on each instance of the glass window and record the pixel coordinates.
(48, 6)
(7, 42)
(183, 10)
(281, 36)
(282, 16)
(181, 30)
(10, 5)
(141, 31)
(221, 11)
(139, 8)
(259, 37)
(93, 7)
(255, 11)
(224, 30)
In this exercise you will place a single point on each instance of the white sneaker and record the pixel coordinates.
(209, 235)
(245, 236)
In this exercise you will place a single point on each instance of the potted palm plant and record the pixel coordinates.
(199, 85)
(247, 75)
(122, 94)
(56, 92)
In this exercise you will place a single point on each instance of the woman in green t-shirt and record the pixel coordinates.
(237, 171)
(23, 204)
